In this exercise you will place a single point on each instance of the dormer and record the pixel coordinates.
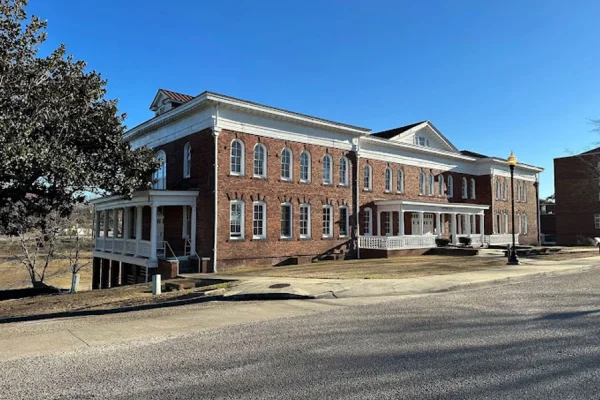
(421, 134)
(166, 100)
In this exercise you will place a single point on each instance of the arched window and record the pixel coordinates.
(388, 179)
(524, 194)
(525, 226)
(400, 181)
(472, 188)
(159, 177)
(464, 188)
(343, 171)
(431, 184)
(422, 183)
(450, 186)
(286, 164)
(504, 190)
(367, 178)
(304, 166)
(368, 222)
(498, 194)
(518, 192)
(441, 184)
(187, 160)
(327, 169)
(260, 161)
(237, 158)
(505, 223)
(498, 223)
(519, 224)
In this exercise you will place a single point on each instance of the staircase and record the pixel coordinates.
(341, 252)
(188, 265)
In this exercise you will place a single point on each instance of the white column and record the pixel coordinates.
(378, 223)
(105, 234)
(126, 222)
(401, 223)
(481, 227)
(453, 228)
(97, 227)
(468, 223)
(421, 223)
(193, 231)
(115, 223)
(153, 232)
(138, 229)
(438, 223)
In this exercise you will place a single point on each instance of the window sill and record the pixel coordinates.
(367, 190)
(259, 238)
(259, 177)
(305, 182)
(285, 238)
(343, 237)
(327, 238)
(286, 180)
(326, 184)
(305, 238)
(235, 239)
(340, 185)
(236, 175)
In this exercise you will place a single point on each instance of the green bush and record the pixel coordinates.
(465, 241)
(442, 242)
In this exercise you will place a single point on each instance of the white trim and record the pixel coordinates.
(429, 207)
(388, 180)
(291, 235)
(400, 180)
(347, 221)
(369, 176)
(242, 205)
(308, 222)
(290, 167)
(329, 179)
(242, 171)
(187, 160)
(264, 219)
(157, 198)
(159, 181)
(368, 211)
(264, 161)
(309, 167)
(345, 181)
(330, 225)
(473, 189)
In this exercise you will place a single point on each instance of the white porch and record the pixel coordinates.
(428, 221)
(118, 226)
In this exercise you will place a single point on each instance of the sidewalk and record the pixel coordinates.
(277, 287)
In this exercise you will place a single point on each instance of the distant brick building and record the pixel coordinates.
(243, 184)
(577, 192)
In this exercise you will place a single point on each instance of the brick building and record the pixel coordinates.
(244, 184)
(577, 194)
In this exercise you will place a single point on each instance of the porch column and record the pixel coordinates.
(481, 228)
(138, 229)
(401, 223)
(105, 234)
(115, 223)
(153, 232)
(438, 223)
(421, 223)
(453, 228)
(97, 227)
(468, 223)
(378, 223)
(193, 231)
(126, 222)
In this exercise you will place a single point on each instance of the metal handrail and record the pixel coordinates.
(188, 241)
(166, 244)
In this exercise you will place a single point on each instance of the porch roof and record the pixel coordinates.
(430, 206)
(157, 198)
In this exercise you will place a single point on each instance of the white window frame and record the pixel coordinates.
(290, 166)
(260, 163)
(328, 172)
(242, 206)
(506, 223)
(597, 221)
(307, 178)
(232, 158)
(473, 189)
(518, 192)
(422, 184)
(504, 190)
(187, 221)
(441, 184)
(465, 188)
(400, 181)
(498, 223)
(263, 222)
(525, 225)
(388, 224)
(498, 190)
(368, 221)
(346, 222)
(329, 224)
(343, 170)
(520, 224)
(524, 194)
(388, 180)
(159, 177)
(368, 178)
(308, 234)
(187, 160)
(450, 189)
(291, 207)
(431, 184)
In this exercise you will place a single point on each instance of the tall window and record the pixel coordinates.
(304, 166)
(498, 189)
(237, 157)
(286, 220)
(286, 164)
(524, 195)
(368, 222)
(388, 180)
(159, 177)
(431, 184)
(518, 191)
(187, 160)
(387, 223)
(305, 221)
(519, 226)
(327, 221)
(504, 190)
(236, 219)
(422, 183)
(344, 171)
(597, 221)
(498, 223)
(400, 181)
(187, 223)
(473, 191)
(367, 176)
(441, 184)
(505, 223)
(327, 168)
(260, 161)
(464, 188)
(450, 186)
(525, 225)
(259, 222)
(344, 221)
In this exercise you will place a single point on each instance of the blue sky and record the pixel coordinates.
(493, 76)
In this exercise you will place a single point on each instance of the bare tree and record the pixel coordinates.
(76, 227)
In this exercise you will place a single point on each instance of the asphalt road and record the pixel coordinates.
(535, 340)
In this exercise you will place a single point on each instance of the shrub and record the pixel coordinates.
(442, 242)
(465, 241)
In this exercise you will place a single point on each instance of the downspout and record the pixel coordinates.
(215, 133)
(356, 186)
(537, 207)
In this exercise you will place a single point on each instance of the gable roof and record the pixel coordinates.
(178, 97)
(592, 151)
(396, 131)
(472, 154)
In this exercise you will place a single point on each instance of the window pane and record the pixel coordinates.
(327, 169)
(258, 219)
(327, 221)
(236, 157)
(286, 160)
(286, 220)
(367, 221)
(367, 177)
(388, 180)
(343, 221)
(343, 171)
(259, 160)
(304, 166)
(236, 220)
(304, 221)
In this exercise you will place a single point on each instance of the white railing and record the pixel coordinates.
(118, 246)
(123, 246)
(396, 242)
(130, 246)
(475, 238)
(145, 249)
(500, 239)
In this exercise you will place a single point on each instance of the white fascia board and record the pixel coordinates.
(414, 206)
(147, 198)
(418, 149)
(502, 162)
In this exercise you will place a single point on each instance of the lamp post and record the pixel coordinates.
(512, 161)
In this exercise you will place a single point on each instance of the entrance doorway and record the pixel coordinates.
(427, 224)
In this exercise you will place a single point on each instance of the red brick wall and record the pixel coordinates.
(274, 191)
(576, 188)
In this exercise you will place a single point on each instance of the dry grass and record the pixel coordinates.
(130, 295)
(566, 256)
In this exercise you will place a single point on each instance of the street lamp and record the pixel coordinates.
(512, 161)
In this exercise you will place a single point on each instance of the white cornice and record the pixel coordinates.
(417, 149)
